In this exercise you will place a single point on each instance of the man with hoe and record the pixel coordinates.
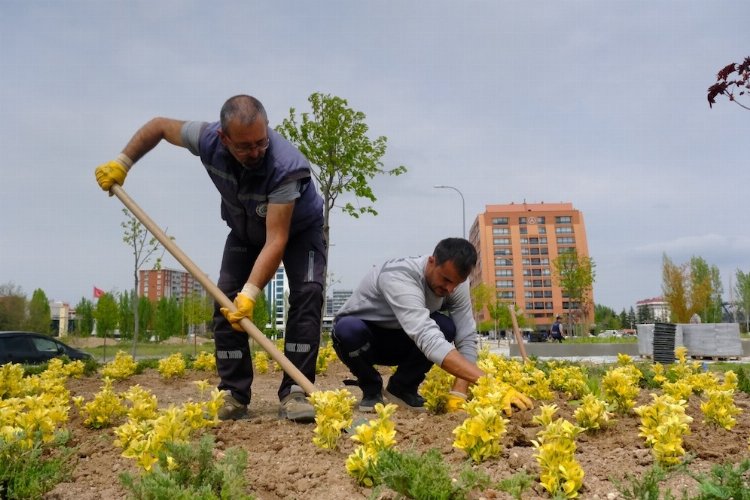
(274, 214)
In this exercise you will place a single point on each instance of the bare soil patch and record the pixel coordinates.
(283, 463)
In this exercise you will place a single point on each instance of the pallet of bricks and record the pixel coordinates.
(715, 341)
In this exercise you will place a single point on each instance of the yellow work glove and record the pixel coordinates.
(514, 398)
(113, 172)
(245, 303)
(455, 401)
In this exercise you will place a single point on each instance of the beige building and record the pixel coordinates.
(517, 244)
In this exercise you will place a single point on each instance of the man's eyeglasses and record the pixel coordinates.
(249, 148)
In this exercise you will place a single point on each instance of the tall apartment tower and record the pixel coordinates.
(158, 283)
(277, 298)
(517, 244)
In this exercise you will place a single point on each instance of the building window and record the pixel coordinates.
(505, 295)
(503, 262)
(501, 241)
(504, 284)
(500, 230)
(503, 251)
(566, 240)
(542, 230)
(500, 221)
(522, 220)
(566, 250)
(564, 230)
(503, 272)
(563, 219)
(540, 220)
(523, 230)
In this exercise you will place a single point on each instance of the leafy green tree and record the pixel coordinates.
(743, 294)
(145, 314)
(40, 315)
(106, 315)
(12, 307)
(126, 316)
(482, 295)
(167, 318)
(575, 275)
(606, 318)
(260, 313)
(198, 311)
(144, 247)
(344, 159)
(84, 317)
(624, 319)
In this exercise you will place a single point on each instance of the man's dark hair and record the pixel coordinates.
(459, 251)
(244, 108)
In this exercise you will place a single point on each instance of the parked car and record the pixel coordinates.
(28, 347)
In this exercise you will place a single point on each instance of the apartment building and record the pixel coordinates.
(654, 308)
(517, 244)
(277, 299)
(168, 283)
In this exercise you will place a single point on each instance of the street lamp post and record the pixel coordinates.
(463, 204)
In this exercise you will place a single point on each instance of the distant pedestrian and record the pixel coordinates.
(557, 330)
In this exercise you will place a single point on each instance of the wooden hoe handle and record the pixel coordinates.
(214, 290)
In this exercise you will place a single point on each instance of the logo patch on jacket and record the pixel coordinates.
(262, 210)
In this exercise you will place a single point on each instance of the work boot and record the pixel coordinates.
(296, 407)
(405, 399)
(368, 402)
(232, 409)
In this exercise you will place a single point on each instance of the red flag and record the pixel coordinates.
(98, 292)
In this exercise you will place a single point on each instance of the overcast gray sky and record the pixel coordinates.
(598, 103)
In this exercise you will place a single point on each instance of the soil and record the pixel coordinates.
(283, 463)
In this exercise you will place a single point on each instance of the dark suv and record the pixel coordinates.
(26, 347)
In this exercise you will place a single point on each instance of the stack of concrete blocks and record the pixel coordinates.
(721, 340)
(646, 338)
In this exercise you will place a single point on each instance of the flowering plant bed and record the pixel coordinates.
(284, 462)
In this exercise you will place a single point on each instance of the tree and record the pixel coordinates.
(575, 275)
(198, 310)
(40, 316)
(12, 307)
(692, 288)
(167, 318)
(106, 315)
(674, 290)
(606, 318)
(481, 296)
(343, 158)
(145, 314)
(624, 319)
(144, 248)
(731, 85)
(743, 293)
(632, 320)
(126, 315)
(260, 313)
(84, 317)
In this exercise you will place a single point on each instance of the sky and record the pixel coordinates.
(598, 103)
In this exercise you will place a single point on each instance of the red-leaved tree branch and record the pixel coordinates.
(732, 81)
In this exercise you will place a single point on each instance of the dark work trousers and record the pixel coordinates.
(304, 263)
(360, 345)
